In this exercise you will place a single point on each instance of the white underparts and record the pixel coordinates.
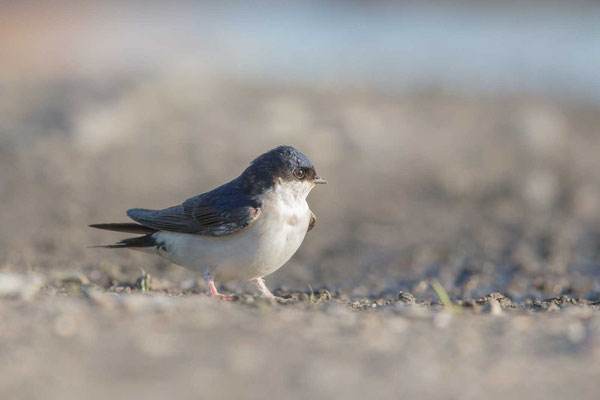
(259, 250)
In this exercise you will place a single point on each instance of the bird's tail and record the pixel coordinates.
(136, 242)
(132, 243)
(128, 227)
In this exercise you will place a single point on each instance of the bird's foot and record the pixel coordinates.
(224, 296)
(264, 290)
(214, 292)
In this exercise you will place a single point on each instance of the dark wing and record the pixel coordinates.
(220, 212)
(313, 221)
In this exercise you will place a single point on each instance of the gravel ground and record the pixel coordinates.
(497, 199)
(73, 340)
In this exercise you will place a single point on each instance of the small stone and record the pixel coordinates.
(501, 299)
(74, 278)
(246, 299)
(303, 297)
(10, 284)
(493, 307)
(17, 285)
(325, 296)
(406, 298)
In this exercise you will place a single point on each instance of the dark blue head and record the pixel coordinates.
(283, 164)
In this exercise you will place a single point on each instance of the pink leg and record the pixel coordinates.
(264, 290)
(213, 289)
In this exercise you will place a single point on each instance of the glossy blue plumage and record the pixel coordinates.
(232, 206)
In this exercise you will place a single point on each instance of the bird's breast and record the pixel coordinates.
(281, 228)
(256, 251)
(284, 219)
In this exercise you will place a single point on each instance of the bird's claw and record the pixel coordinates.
(223, 296)
(282, 299)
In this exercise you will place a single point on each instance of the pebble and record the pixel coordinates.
(20, 286)
(500, 298)
(406, 298)
(325, 296)
(493, 307)
(73, 277)
(303, 297)
(246, 299)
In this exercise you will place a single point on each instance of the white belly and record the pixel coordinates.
(259, 250)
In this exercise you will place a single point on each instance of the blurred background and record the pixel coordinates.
(460, 139)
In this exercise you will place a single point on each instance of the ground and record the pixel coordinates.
(80, 341)
(494, 198)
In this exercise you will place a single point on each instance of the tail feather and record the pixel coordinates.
(128, 227)
(140, 241)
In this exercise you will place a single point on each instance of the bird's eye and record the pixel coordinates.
(299, 173)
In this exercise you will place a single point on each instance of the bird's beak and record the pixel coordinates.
(319, 180)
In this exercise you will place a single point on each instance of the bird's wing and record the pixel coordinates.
(218, 213)
(313, 221)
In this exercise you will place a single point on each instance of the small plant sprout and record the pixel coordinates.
(143, 282)
(443, 296)
(311, 297)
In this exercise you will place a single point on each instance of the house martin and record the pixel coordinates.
(245, 229)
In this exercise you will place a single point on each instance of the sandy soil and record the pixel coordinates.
(79, 341)
(486, 195)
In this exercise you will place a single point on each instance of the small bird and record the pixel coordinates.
(244, 230)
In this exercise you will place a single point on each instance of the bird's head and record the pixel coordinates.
(284, 165)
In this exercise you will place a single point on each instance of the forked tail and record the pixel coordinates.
(136, 242)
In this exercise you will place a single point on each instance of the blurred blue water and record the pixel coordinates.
(490, 46)
(484, 46)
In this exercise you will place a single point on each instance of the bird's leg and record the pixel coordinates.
(213, 289)
(264, 290)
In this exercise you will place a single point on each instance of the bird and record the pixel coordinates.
(245, 229)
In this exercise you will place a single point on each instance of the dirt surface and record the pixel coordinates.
(495, 198)
(74, 340)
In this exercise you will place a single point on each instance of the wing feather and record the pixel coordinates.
(220, 212)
